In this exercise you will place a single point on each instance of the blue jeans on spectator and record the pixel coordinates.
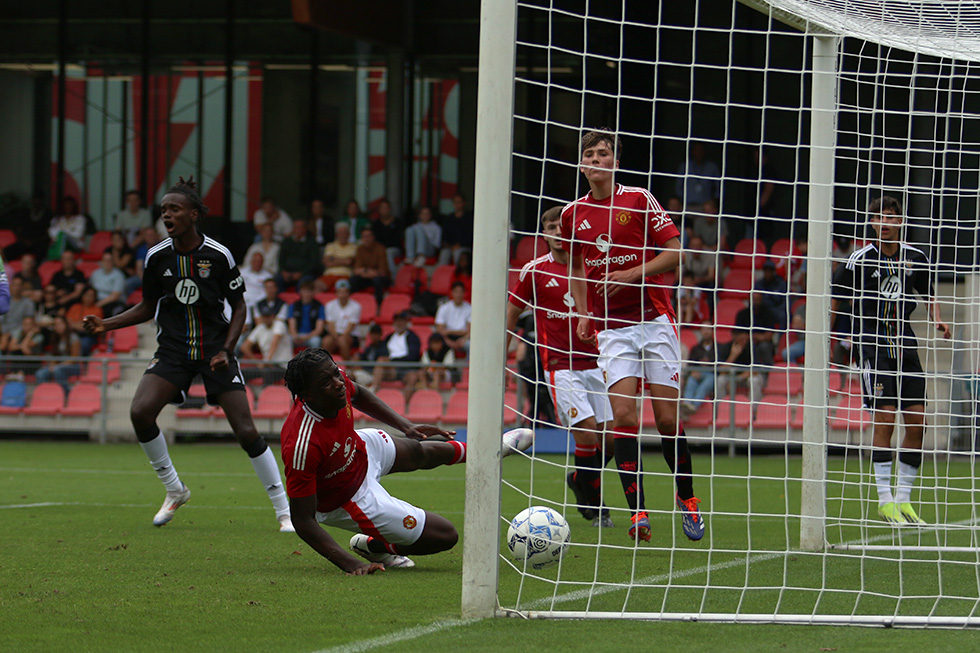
(697, 389)
(794, 351)
(59, 373)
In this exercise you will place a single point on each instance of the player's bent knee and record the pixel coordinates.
(254, 447)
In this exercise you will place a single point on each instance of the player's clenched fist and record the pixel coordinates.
(93, 324)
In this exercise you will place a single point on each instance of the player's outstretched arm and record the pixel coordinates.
(303, 513)
(136, 315)
(368, 403)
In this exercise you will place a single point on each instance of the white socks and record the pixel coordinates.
(267, 469)
(906, 479)
(156, 451)
(883, 481)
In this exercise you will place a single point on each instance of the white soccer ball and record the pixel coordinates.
(539, 536)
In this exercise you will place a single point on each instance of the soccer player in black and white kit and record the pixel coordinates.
(194, 291)
(878, 282)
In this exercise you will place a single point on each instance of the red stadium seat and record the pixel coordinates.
(391, 305)
(135, 297)
(196, 391)
(457, 408)
(84, 400)
(93, 369)
(7, 237)
(47, 269)
(510, 408)
(464, 380)
(690, 338)
(743, 412)
(97, 244)
(47, 399)
(737, 284)
(289, 297)
(369, 306)
(275, 402)
(88, 267)
(125, 339)
(702, 417)
(394, 398)
(785, 383)
(529, 248)
(850, 415)
(325, 297)
(773, 413)
(442, 280)
(727, 310)
(405, 280)
(425, 407)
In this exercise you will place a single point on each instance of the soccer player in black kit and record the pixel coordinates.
(192, 287)
(878, 282)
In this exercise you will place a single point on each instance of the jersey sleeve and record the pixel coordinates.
(522, 293)
(233, 285)
(567, 227)
(152, 288)
(301, 474)
(661, 227)
(922, 279)
(842, 283)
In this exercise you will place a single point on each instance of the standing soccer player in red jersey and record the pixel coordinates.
(576, 383)
(333, 471)
(621, 241)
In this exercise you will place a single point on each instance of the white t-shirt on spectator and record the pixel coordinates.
(398, 345)
(254, 285)
(263, 335)
(343, 316)
(282, 227)
(453, 317)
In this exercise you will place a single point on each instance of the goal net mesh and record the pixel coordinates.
(712, 101)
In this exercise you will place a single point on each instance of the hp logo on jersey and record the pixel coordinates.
(890, 287)
(187, 291)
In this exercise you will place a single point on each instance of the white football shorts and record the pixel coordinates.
(649, 351)
(579, 395)
(372, 510)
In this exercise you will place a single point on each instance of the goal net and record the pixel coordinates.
(765, 130)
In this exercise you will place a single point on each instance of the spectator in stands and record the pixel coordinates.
(760, 321)
(342, 317)
(702, 264)
(403, 347)
(689, 300)
(32, 232)
(67, 230)
(306, 318)
(423, 239)
(269, 341)
(27, 340)
(321, 223)
(33, 287)
(370, 267)
(20, 306)
(355, 219)
(746, 359)
(464, 272)
(453, 320)
(74, 315)
(774, 293)
(338, 258)
(110, 284)
(433, 373)
(255, 276)
(267, 246)
(150, 238)
(797, 271)
(63, 343)
(282, 224)
(49, 306)
(125, 260)
(374, 351)
(698, 178)
(298, 257)
(390, 232)
(132, 219)
(796, 343)
(675, 209)
(457, 232)
(69, 281)
(271, 301)
(705, 223)
(700, 368)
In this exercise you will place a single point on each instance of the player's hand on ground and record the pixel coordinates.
(425, 431)
(366, 568)
(584, 330)
(93, 324)
(613, 282)
(944, 328)
(219, 361)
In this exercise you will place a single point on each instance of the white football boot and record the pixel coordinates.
(173, 501)
(359, 545)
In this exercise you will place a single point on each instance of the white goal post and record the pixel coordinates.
(887, 102)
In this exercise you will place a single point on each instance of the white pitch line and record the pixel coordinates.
(398, 637)
(144, 472)
(46, 504)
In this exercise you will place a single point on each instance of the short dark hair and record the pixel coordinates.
(306, 285)
(375, 328)
(133, 191)
(602, 134)
(884, 203)
(552, 214)
(458, 284)
(300, 370)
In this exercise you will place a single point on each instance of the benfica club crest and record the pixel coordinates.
(204, 269)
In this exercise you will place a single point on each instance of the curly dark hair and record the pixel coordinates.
(189, 190)
(300, 370)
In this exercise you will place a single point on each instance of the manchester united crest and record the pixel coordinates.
(623, 217)
(573, 413)
(409, 522)
(204, 269)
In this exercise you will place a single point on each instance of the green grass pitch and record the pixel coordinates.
(82, 568)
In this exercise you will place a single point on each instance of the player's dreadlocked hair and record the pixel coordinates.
(189, 190)
(299, 371)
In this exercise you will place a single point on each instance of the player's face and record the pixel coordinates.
(598, 162)
(329, 393)
(551, 231)
(177, 215)
(887, 225)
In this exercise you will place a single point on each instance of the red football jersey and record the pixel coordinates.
(543, 285)
(618, 233)
(322, 455)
